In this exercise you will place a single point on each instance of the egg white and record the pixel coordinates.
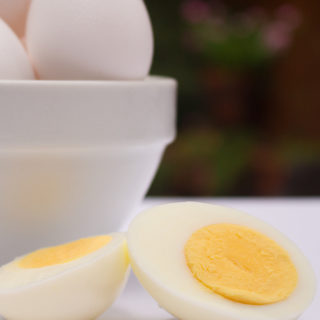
(156, 240)
(78, 290)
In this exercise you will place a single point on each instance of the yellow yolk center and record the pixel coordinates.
(64, 253)
(241, 264)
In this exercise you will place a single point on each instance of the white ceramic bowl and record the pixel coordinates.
(76, 157)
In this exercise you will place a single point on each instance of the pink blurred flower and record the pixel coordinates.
(196, 11)
(277, 36)
(290, 14)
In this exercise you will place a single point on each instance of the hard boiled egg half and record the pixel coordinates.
(205, 262)
(75, 281)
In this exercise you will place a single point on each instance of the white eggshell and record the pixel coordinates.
(79, 290)
(156, 240)
(14, 61)
(90, 39)
(14, 12)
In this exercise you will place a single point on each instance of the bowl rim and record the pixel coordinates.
(150, 81)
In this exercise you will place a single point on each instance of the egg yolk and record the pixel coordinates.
(241, 264)
(64, 253)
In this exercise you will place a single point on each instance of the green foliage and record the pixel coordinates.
(235, 49)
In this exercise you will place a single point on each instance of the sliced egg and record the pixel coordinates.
(14, 12)
(75, 281)
(201, 261)
(90, 39)
(14, 61)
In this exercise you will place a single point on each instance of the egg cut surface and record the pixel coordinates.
(201, 261)
(15, 12)
(90, 39)
(74, 281)
(14, 61)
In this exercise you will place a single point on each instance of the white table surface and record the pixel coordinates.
(299, 219)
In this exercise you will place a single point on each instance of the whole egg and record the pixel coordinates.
(14, 12)
(90, 39)
(14, 61)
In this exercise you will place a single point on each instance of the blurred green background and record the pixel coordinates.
(249, 96)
